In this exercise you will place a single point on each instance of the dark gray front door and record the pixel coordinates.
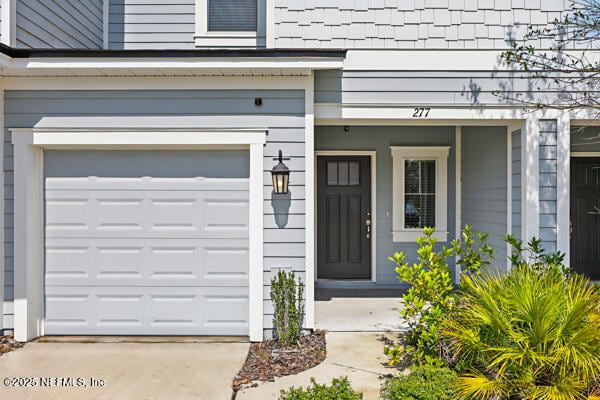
(585, 216)
(343, 209)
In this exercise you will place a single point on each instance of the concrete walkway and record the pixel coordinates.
(136, 371)
(359, 356)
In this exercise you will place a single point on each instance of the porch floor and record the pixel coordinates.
(357, 310)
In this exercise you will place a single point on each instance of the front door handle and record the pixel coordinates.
(596, 211)
(368, 224)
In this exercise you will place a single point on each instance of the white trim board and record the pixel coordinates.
(29, 231)
(458, 193)
(585, 154)
(440, 155)
(9, 24)
(530, 177)
(310, 214)
(373, 155)
(509, 187)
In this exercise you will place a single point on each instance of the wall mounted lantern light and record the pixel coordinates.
(281, 176)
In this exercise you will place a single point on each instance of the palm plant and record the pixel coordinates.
(532, 334)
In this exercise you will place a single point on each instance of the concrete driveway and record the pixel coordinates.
(140, 371)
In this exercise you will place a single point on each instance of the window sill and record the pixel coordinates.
(226, 39)
(411, 236)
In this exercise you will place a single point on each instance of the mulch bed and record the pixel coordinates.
(266, 360)
(8, 343)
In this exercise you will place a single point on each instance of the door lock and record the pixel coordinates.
(368, 224)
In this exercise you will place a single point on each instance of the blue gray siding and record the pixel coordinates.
(516, 183)
(408, 24)
(160, 24)
(484, 185)
(473, 88)
(548, 180)
(380, 139)
(282, 112)
(59, 24)
(151, 24)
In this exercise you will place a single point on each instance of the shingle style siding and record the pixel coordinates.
(407, 24)
(59, 24)
(282, 113)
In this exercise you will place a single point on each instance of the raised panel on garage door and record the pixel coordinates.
(148, 242)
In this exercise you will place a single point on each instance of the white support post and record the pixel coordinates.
(509, 192)
(458, 189)
(530, 177)
(309, 166)
(563, 173)
(256, 278)
(28, 239)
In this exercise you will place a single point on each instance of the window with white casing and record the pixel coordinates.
(226, 23)
(420, 191)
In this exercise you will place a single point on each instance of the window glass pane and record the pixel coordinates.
(354, 170)
(232, 15)
(419, 197)
(343, 174)
(332, 173)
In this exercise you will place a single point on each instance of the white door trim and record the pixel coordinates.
(373, 155)
(29, 216)
(530, 177)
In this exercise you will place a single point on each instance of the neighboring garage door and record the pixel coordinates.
(146, 242)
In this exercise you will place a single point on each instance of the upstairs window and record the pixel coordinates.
(227, 23)
(232, 15)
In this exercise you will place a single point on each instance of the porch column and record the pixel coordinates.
(530, 156)
(28, 238)
(563, 171)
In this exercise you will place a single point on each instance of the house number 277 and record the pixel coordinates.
(421, 112)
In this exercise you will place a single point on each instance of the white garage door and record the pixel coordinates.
(146, 242)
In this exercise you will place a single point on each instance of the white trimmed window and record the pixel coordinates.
(420, 191)
(226, 23)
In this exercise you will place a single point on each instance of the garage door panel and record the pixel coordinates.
(146, 262)
(219, 214)
(147, 243)
(161, 311)
(94, 183)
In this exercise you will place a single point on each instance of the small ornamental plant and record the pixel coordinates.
(287, 297)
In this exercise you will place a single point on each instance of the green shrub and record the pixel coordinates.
(530, 334)
(339, 389)
(425, 383)
(287, 298)
(431, 294)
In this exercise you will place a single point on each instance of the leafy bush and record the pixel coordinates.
(431, 295)
(339, 389)
(530, 334)
(425, 383)
(287, 298)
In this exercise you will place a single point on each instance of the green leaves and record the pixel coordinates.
(531, 334)
(431, 294)
(339, 389)
(288, 302)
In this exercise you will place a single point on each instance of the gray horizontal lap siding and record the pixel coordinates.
(401, 24)
(59, 24)
(484, 185)
(380, 139)
(547, 184)
(428, 87)
(151, 24)
(282, 113)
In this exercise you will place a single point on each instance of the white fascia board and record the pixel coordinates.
(184, 63)
(435, 60)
